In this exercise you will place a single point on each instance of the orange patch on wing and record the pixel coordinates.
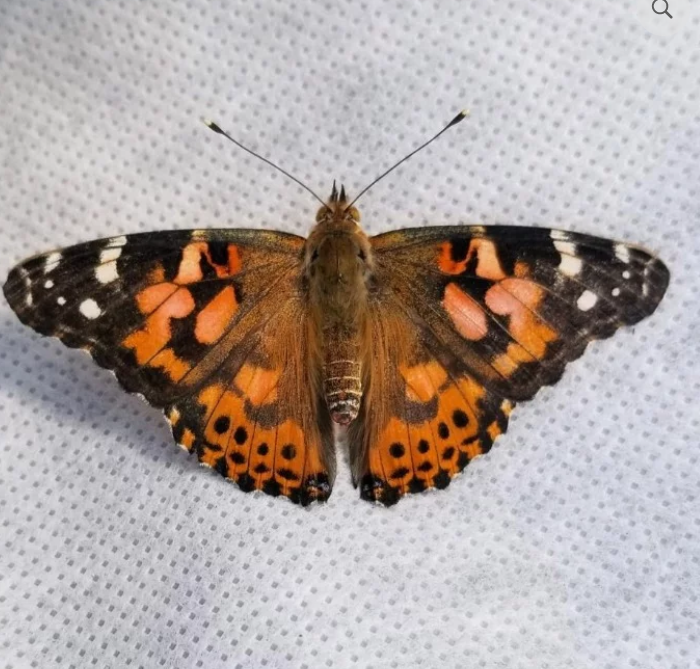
(156, 331)
(149, 299)
(423, 381)
(234, 262)
(467, 315)
(487, 264)
(506, 363)
(493, 430)
(519, 299)
(187, 438)
(473, 449)
(216, 316)
(258, 385)
(173, 366)
(190, 269)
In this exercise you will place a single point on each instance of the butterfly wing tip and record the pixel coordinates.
(663, 278)
(17, 292)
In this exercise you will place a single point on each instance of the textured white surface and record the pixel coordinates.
(574, 543)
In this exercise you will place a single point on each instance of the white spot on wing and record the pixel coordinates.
(90, 309)
(52, 261)
(565, 247)
(61, 301)
(559, 234)
(28, 299)
(587, 300)
(626, 274)
(622, 253)
(117, 241)
(110, 254)
(570, 264)
(107, 272)
(615, 292)
(48, 284)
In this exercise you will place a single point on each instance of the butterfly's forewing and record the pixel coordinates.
(488, 315)
(198, 323)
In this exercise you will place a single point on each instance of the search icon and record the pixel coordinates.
(664, 11)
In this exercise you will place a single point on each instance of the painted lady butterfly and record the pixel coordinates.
(420, 341)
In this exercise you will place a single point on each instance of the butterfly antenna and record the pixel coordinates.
(462, 115)
(212, 126)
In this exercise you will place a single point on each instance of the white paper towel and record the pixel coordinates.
(573, 543)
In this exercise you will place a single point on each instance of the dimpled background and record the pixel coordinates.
(573, 543)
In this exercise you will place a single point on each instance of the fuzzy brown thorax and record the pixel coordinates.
(338, 266)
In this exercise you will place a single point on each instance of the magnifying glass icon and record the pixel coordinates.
(664, 4)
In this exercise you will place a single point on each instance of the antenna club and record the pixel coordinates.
(460, 117)
(212, 126)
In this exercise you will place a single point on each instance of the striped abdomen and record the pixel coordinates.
(342, 379)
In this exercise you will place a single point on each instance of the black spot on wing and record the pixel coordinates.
(459, 246)
(218, 251)
(288, 452)
(397, 450)
(222, 424)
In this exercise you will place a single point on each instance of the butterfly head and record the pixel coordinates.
(337, 210)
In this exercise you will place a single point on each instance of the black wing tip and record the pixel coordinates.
(12, 289)
(19, 296)
(659, 284)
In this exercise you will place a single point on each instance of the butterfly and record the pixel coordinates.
(260, 345)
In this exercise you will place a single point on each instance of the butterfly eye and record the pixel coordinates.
(314, 255)
(361, 255)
